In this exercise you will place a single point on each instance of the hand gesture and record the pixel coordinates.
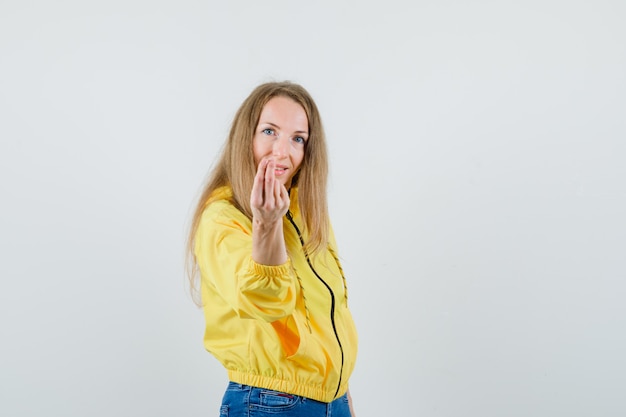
(269, 199)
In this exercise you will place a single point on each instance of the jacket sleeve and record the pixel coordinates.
(223, 249)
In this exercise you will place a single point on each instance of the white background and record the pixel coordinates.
(478, 192)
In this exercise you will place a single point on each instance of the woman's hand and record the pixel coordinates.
(269, 201)
(350, 404)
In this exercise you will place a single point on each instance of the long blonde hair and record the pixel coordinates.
(236, 167)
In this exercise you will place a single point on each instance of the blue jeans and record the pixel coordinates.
(246, 401)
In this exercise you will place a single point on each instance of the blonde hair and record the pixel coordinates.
(236, 167)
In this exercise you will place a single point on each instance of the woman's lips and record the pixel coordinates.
(280, 170)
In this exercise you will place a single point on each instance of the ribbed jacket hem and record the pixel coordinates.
(314, 392)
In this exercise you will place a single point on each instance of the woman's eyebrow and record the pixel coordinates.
(269, 123)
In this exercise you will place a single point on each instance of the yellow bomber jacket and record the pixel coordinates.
(286, 327)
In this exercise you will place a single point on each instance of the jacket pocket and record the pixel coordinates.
(292, 334)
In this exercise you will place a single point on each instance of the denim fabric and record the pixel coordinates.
(246, 401)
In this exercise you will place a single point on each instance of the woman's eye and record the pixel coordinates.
(268, 131)
(299, 139)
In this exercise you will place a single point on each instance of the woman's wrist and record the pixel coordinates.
(268, 243)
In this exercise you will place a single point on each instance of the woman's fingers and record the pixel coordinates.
(269, 198)
(256, 197)
(276, 193)
(282, 197)
(270, 181)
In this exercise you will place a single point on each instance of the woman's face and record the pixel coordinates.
(280, 135)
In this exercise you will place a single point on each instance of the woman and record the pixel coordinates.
(272, 287)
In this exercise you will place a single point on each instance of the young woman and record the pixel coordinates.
(262, 248)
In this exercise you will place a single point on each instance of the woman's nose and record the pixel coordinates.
(281, 147)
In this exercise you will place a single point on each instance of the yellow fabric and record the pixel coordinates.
(270, 326)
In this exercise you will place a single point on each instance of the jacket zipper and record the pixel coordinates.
(332, 297)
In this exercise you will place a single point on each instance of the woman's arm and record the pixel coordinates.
(249, 268)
